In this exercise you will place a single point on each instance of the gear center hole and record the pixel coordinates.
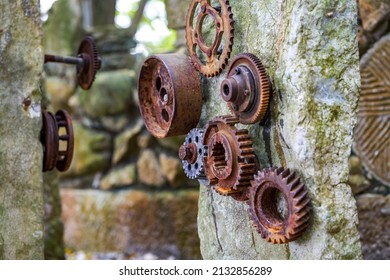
(219, 156)
(208, 30)
(274, 206)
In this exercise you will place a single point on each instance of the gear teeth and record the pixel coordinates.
(296, 195)
(241, 145)
(196, 170)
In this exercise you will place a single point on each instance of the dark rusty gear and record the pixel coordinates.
(263, 205)
(86, 71)
(65, 156)
(170, 98)
(230, 164)
(57, 133)
(247, 88)
(216, 60)
(192, 153)
(49, 140)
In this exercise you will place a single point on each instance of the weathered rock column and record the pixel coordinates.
(21, 199)
(310, 51)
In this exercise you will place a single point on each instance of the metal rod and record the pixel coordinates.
(64, 59)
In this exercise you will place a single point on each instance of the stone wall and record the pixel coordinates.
(313, 112)
(21, 199)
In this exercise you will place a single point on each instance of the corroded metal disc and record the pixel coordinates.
(372, 132)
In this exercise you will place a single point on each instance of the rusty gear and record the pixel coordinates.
(263, 205)
(57, 140)
(192, 153)
(65, 151)
(86, 71)
(169, 94)
(216, 60)
(247, 88)
(230, 163)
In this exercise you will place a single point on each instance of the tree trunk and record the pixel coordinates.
(310, 51)
(21, 199)
(103, 12)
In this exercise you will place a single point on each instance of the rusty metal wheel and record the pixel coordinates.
(218, 54)
(270, 222)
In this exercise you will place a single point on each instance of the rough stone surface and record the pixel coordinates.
(21, 199)
(63, 28)
(119, 177)
(91, 151)
(176, 11)
(132, 222)
(127, 141)
(172, 169)
(110, 94)
(59, 92)
(53, 226)
(313, 111)
(149, 171)
(374, 224)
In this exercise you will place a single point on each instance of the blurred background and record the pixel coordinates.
(125, 195)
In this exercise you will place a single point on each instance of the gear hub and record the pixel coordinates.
(57, 140)
(268, 186)
(169, 94)
(192, 153)
(231, 162)
(217, 55)
(247, 88)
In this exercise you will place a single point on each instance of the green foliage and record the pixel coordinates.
(153, 22)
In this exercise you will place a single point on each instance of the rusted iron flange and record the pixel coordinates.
(246, 88)
(170, 98)
(231, 163)
(218, 54)
(57, 139)
(272, 225)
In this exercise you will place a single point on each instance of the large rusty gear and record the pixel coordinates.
(224, 36)
(263, 205)
(192, 153)
(169, 93)
(86, 72)
(247, 88)
(230, 164)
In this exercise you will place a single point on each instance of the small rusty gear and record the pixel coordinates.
(86, 71)
(192, 153)
(247, 88)
(224, 36)
(263, 205)
(57, 139)
(170, 98)
(231, 163)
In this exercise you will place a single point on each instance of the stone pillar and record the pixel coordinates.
(310, 51)
(21, 199)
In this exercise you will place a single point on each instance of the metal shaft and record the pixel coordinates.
(64, 59)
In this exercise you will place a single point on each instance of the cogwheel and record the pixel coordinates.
(192, 153)
(230, 163)
(88, 52)
(247, 88)
(216, 60)
(263, 205)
